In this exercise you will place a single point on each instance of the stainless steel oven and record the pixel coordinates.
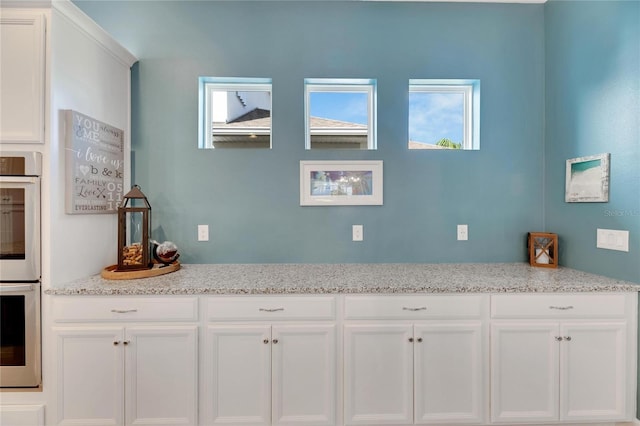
(20, 174)
(20, 213)
(20, 335)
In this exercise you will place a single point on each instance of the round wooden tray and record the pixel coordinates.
(110, 273)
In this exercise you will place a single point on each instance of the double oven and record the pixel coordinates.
(20, 359)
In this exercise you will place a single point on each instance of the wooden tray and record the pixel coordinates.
(110, 273)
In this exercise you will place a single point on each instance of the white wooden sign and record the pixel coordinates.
(94, 165)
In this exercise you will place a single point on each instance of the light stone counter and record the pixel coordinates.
(351, 278)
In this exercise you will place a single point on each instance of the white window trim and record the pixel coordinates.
(347, 85)
(207, 85)
(470, 89)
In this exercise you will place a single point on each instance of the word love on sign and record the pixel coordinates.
(94, 165)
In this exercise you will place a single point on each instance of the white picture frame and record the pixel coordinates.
(587, 179)
(341, 183)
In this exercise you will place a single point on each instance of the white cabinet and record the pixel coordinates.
(124, 374)
(573, 360)
(431, 370)
(280, 373)
(22, 76)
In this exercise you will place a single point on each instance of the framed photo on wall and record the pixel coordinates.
(587, 179)
(340, 183)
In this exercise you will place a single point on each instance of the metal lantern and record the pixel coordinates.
(543, 249)
(134, 230)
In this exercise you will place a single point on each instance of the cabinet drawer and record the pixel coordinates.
(84, 309)
(250, 308)
(559, 306)
(415, 307)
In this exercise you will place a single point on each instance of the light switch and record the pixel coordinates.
(612, 239)
(203, 232)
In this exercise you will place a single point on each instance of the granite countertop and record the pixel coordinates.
(193, 279)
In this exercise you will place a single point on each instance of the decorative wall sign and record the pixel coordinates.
(587, 179)
(340, 183)
(94, 165)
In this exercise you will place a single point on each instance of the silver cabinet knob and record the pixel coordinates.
(567, 338)
(559, 339)
(265, 341)
(275, 341)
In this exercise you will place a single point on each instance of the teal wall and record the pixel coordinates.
(250, 198)
(593, 106)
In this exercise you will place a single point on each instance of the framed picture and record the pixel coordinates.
(340, 183)
(587, 179)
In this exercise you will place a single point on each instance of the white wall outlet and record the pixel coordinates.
(463, 232)
(203, 232)
(612, 239)
(357, 233)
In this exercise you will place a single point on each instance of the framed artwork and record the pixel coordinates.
(340, 183)
(587, 179)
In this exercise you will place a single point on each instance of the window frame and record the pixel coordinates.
(345, 85)
(470, 89)
(207, 85)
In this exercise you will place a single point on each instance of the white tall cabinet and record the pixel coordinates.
(22, 76)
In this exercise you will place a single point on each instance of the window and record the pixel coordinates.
(444, 114)
(340, 113)
(234, 113)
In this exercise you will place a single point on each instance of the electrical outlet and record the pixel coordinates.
(203, 232)
(612, 239)
(463, 232)
(357, 233)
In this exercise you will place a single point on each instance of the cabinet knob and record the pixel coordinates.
(419, 339)
(567, 338)
(116, 343)
(411, 339)
(126, 342)
(558, 338)
(265, 341)
(275, 341)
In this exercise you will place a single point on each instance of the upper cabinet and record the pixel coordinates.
(22, 76)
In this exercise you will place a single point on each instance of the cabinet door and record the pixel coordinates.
(449, 363)
(304, 374)
(90, 371)
(237, 368)
(161, 369)
(594, 373)
(22, 59)
(378, 374)
(524, 371)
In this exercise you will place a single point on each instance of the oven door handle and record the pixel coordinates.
(11, 288)
(19, 179)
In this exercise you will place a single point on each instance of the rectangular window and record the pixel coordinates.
(444, 114)
(340, 113)
(234, 112)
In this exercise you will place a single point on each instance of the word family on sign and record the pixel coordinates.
(95, 177)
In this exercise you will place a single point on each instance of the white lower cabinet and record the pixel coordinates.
(428, 371)
(379, 359)
(124, 374)
(281, 373)
(573, 370)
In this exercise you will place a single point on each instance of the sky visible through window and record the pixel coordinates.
(434, 116)
(342, 106)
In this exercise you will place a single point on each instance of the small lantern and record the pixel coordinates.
(543, 249)
(134, 225)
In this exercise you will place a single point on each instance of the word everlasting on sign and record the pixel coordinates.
(94, 165)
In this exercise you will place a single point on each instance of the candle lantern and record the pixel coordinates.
(134, 226)
(543, 249)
